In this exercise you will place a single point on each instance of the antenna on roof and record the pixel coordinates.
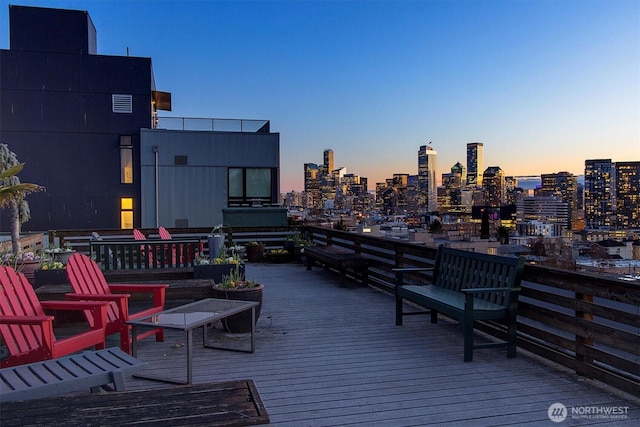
(127, 50)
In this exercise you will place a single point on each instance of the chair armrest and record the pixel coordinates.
(96, 297)
(403, 269)
(25, 320)
(136, 288)
(481, 290)
(72, 305)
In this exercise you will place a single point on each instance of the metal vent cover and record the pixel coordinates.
(122, 103)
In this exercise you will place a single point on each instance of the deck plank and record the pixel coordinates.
(332, 356)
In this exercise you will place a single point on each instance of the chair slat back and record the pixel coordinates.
(164, 234)
(138, 235)
(86, 278)
(17, 298)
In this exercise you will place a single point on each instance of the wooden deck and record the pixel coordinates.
(331, 356)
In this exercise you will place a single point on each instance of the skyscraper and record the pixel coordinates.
(475, 164)
(627, 197)
(564, 186)
(427, 185)
(493, 187)
(598, 193)
(328, 160)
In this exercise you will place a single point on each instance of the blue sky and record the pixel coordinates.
(543, 84)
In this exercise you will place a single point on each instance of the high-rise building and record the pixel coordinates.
(427, 184)
(451, 194)
(328, 160)
(599, 193)
(563, 185)
(312, 179)
(493, 187)
(627, 196)
(475, 164)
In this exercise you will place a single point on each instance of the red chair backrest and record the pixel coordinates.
(138, 235)
(164, 234)
(86, 278)
(17, 298)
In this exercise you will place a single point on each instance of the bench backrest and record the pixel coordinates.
(17, 298)
(457, 269)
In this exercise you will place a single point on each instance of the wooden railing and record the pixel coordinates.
(588, 323)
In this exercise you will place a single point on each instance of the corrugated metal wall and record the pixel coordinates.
(197, 191)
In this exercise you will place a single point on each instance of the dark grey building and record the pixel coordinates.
(77, 119)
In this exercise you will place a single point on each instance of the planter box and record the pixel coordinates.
(215, 271)
(50, 277)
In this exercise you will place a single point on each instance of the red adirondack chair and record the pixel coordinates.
(144, 250)
(28, 332)
(88, 283)
(165, 235)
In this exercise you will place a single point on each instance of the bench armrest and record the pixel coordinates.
(403, 269)
(481, 290)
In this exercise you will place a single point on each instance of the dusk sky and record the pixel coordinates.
(543, 84)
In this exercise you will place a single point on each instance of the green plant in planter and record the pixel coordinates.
(236, 280)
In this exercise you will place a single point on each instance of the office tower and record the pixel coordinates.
(627, 196)
(543, 209)
(475, 164)
(564, 186)
(427, 185)
(328, 160)
(452, 189)
(312, 178)
(493, 187)
(598, 193)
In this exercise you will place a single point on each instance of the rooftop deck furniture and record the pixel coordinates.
(86, 370)
(339, 259)
(193, 316)
(88, 283)
(466, 286)
(231, 403)
(144, 249)
(28, 332)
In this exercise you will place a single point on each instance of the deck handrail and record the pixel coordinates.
(583, 321)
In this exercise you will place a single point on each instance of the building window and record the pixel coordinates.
(126, 213)
(126, 159)
(249, 186)
(122, 103)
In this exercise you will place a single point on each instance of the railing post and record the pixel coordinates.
(582, 342)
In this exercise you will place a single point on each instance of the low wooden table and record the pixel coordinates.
(230, 403)
(192, 316)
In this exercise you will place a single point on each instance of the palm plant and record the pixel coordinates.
(12, 193)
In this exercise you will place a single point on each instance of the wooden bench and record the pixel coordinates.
(231, 403)
(86, 370)
(340, 259)
(466, 286)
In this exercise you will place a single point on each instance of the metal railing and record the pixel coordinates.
(213, 125)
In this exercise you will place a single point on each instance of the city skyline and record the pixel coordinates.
(543, 85)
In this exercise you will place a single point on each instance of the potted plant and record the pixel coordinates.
(278, 256)
(60, 254)
(26, 263)
(216, 241)
(205, 267)
(255, 251)
(51, 272)
(234, 286)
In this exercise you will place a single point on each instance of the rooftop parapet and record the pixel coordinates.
(213, 125)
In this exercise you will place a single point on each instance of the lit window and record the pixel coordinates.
(126, 159)
(126, 213)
